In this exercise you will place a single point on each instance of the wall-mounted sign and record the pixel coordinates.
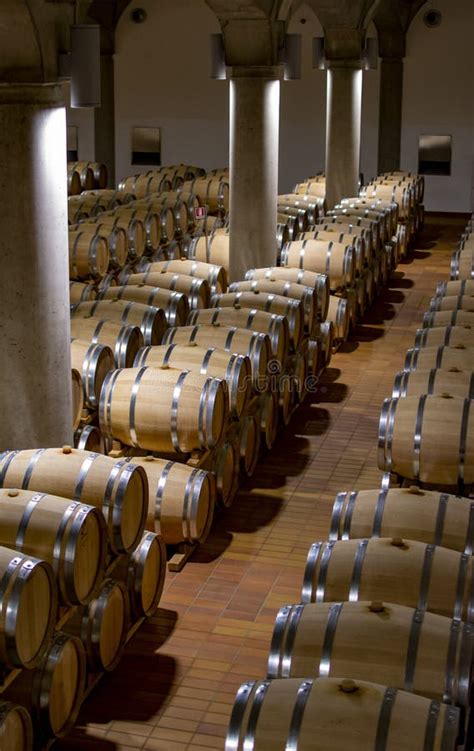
(146, 146)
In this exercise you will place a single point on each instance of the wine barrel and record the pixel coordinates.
(269, 417)
(373, 217)
(212, 192)
(167, 220)
(225, 467)
(125, 341)
(86, 174)
(409, 439)
(102, 626)
(291, 223)
(197, 291)
(326, 340)
(73, 183)
(448, 318)
(452, 302)
(423, 515)
(133, 227)
(89, 438)
(191, 203)
(409, 649)
(117, 240)
(303, 217)
(16, 730)
(453, 381)
(151, 321)
(357, 242)
(119, 489)
(144, 575)
(79, 292)
(142, 185)
(179, 211)
(292, 714)
(456, 289)
(358, 219)
(69, 535)
(314, 357)
(249, 440)
(255, 345)
(287, 275)
(283, 235)
(459, 357)
(213, 249)
(174, 304)
(160, 409)
(398, 570)
(386, 208)
(28, 587)
(89, 255)
(153, 220)
(93, 362)
(351, 225)
(53, 692)
(308, 202)
(235, 369)
(368, 210)
(462, 265)
(339, 315)
(77, 398)
(215, 275)
(323, 257)
(394, 193)
(445, 336)
(99, 171)
(268, 302)
(274, 325)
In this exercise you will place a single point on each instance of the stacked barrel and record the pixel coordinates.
(78, 571)
(83, 176)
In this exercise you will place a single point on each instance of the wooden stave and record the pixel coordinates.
(89, 438)
(109, 491)
(215, 275)
(249, 440)
(81, 292)
(174, 304)
(455, 288)
(136, 572)
(123, 339)
(289, 723)
(67, 523)
(453, 381)
(452, 302)
(151, 321)
(91, 262)
(426, 516)
(339, 316)
(339, 277)
(439, 358)
(448, 318)
(412, 650)
(306, 295)
(77, 398)
(196, 290)
(20, 739)
(320, 282)
(96, 358)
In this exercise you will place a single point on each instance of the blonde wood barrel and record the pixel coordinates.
(445, 336)
(235, 369)
(16, 729)
(102, 626)
(123, 340)
(249, 440)
(167, 218)
(27, 608)
(269, 417)
(151, 321)
(462, 265)
(73, 183)
(291, 223)
(212, 192)
(144, 575)
(86, 174)
(119, 489)
(268, 302)
(453, 381)
(213, 249)
(161, 409)
(445, 318)
(395, 194)
(287, 275)
(215, 275)
(378, 214)
(255, 345)
(410, 649)
(387, 208)
(116, 240)
(323, 257)
(133, 227)
(314, 357)
(181, 500)
(174, 304)
(398, 570)
(283, 234)
(311, 202)
(77, 398)
(69, 535)
(353, 225)
(53, 692)
(356, 241)
(89, 255)
(409, 439)
(452, 302)
(359, 219)
(456, 289)
(445, 358)
(80, 292)
(225, 467)
(274, 325)
(286, 714)
(179, 211)
(83, 207)
(306, 295)
(423, 515)
(93, 362)
(339, 316)
(99, 171)
(89, 438)
(197, 291)
(152, 221)
(325, 340)
(303, 217)
(190, 201)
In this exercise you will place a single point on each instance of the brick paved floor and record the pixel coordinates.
(175, 687)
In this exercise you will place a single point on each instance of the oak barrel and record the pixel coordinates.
(336, 260)
(287, 714)
(212, 192)
(152, 220)
(339, 315)
(215, 275)
(213, 248)
(452, 381)
(133, 227)
(181, 500)
(151, 321)
(77, 398)
(89, 438)
(119, 489)
(249, 440)
(459, 357)
(161, 409)
(453, 302)
(462, 265)
(453, 288)
(423, 515)
(80, 292)
(144, 575)
(357, 242)
(69, 536)
(197, 291)
(448, 318)
(287, 275)
(125, 341)
(398, 570)
(235, 369)
(174, 304)
(409, 443)
(413, 650)
(93, 362)
(16, 730)
(89, 255)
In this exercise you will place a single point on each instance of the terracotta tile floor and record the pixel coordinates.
(175, 687)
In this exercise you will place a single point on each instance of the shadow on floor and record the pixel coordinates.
(398, 281)
(364, 333)
(79, 741)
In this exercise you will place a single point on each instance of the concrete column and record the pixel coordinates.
(390, 114)
(35, 367)
(254, 131)
(104, 118)
(343, 129)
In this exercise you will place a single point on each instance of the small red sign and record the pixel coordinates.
(200, 212)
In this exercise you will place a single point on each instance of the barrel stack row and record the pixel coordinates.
(85, 176)
(79, 573)
(390, 589)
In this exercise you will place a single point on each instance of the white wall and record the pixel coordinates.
(438, 100)
(83, 119)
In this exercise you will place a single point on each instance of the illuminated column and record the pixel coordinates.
(390, 114)
(254, 131)
(343, 129)
(35, 368)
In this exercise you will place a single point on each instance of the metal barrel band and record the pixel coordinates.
(425, 576)
(83, 471)
(463, 443)
(329, 634)
(348, 515)
(105, 402)
(309, 572)
(296, 721)
(258, 699)
(174, 409)
(440, 518)
(25, 519)
(279, 628)
(412, 650)
(334, 533)
(323, 570)
(385, 716)
(379, 512)
(238, 712)
(357, 570)
(30, 468)
(418, 436)
(68, 559)
(292, 627)
(159, 494)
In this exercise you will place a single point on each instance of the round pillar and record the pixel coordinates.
(343, 132)
(254, 133)
(35, 366)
